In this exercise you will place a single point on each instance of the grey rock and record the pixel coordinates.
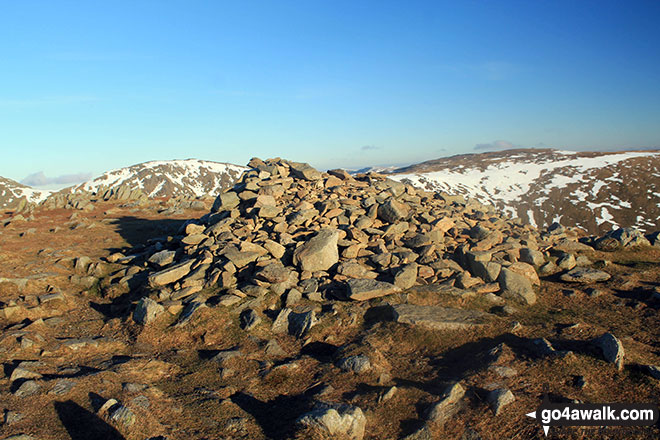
(12, 417)
(147, 310)
(63, 386)
(406, 276)
(517, 287)
(548, 269)
(450, 403)
(241, 258)
(304, 171)
(335, 420)
(653, 371)
(225, 355)
(27, 388)
(274, 273)
(319, 253)
(499, 398)
(566, 261)
(361, 290)
(281, 323)
(542, 347)
(249, 319)
(585, 275)
(226, 202)
(611, 348)
(301, 323)
(358, 364)
(171, 274)
(393, 211)
(532, 256)
(436, 317)
(293, 297)
(188, 312)
(488, 271)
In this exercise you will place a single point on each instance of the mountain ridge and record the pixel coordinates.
(596, 191)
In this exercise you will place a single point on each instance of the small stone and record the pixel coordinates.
(27, 388)
(611, 348)
(63, 386)
(449, 404)
(249, 319)
(12, 417)
(499, 398)
(358, 364)
(364, 289)
(147, 310)
(406, 276)
(653, 371)
(335, 420)
(392, 211)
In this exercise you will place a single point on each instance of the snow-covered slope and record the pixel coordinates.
(12, 192)
(596, 191)
(170, 178)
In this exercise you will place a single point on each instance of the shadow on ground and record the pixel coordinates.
(275, 417)
(138, 231)
(81, 424)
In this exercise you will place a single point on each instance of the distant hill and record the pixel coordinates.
(11, 193)
(170, 178)
(592, 190)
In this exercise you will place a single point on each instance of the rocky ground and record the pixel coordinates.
(316, 305)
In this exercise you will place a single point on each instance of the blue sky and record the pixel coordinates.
(88, 86)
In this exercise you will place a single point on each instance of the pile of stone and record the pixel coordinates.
(288, 228)
(84, 200)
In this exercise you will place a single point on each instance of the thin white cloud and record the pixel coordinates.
(506, 145)
(40, 179)
(370, 148)
(496, 145)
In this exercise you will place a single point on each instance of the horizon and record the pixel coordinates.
(90, 88)
(52, 184)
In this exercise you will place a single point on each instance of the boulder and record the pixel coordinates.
(611, 348)
(517, 287)
(393, 211)
(171, 274)
(147, 310)
(319, 253)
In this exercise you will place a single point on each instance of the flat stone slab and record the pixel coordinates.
(364, 289)
(585, 275)
(438, 318)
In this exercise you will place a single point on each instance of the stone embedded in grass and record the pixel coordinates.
(585, 275)
(335, 420)
(249, 319)
(450, 403)
(499, 398)
(357, 364)
(436, 317)
(147, 310)
(611, 348)
(27, 388)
